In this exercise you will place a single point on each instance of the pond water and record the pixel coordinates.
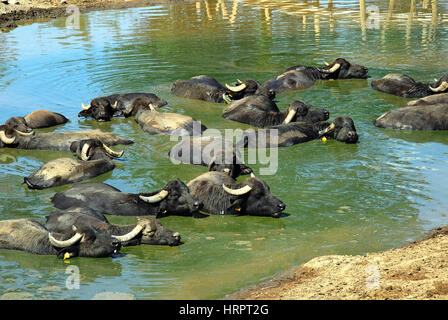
(380, 193)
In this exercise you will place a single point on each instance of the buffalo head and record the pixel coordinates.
(343, 69)
(342, 129)
(93, 149)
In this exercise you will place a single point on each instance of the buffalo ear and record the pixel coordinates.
(245, 169)
(72, 251)
(237, 207)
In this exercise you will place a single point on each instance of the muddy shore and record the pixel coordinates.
(418, 271)
(16, 12)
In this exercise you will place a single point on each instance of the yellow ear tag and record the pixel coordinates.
(330, 79)
(230, 95)
(324, 139)
(66, 255)
(238, 209)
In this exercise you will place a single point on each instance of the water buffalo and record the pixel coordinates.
(209, 89)
(404, 86)
(430, 113)
(61, 141)
(302, 77)
(215, 153)
(260, 111)
(104, 108)
(154, 122)
(223, 195)
(148, 230)
(37, 119)
(95, 158)
(30, 236)
(341, 129)
(173, 199)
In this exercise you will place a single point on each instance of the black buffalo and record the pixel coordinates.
(95, 158)
(260, 111)
(430, 113)
(79, 240)
(215, 153)
(61, 141)
(222, 194)
(341, 129)
(37, 119)
(173, 199)
(148, 230)
(154, 122)
(209, 89)
(404, 86)
(104, 108)
(302, 77)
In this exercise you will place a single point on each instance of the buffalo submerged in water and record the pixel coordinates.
(429, 113)
(79, 240)
(104, 108)
(215, 153)
(148, 230)
(61, 141)
(260, 111)
(36, 119)
(173, 199)
(221, 194)
(94, 158)
(302, 77)
(404, 86)
(154, 122)
(341, 129)
(209, 89)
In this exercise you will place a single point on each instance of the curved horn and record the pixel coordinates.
(64, 243)
(327, 129)
(131, 235)
(5, 139)
(332, 69)
(31, 133)
(155, 198)
(290, 115)
(84, 152)
(252, 175)
(237, 192)
(443, 86)
(84, 107)
(115, 105)
(151, 107)
(326, 63)
(237, 88)
(112, 152)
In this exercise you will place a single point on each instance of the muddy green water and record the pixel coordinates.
(386, 190)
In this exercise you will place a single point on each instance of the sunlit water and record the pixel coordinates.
(386, 190)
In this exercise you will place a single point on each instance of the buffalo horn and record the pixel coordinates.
(112, 152)
(5, 139)
(65, 243)
(237, 192)
(252, 175)
(333, 69)
(237, 88)
(443, 86)
(85, 152)
(114, 106)
(131, 235)
(290, 115)
(155, 198)
(326, 63)
(84, 107)
(327, 129)
(31, 133)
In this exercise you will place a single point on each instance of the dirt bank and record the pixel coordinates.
(15, 12)
(416, 271)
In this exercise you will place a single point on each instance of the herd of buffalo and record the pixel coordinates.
(78, 226)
